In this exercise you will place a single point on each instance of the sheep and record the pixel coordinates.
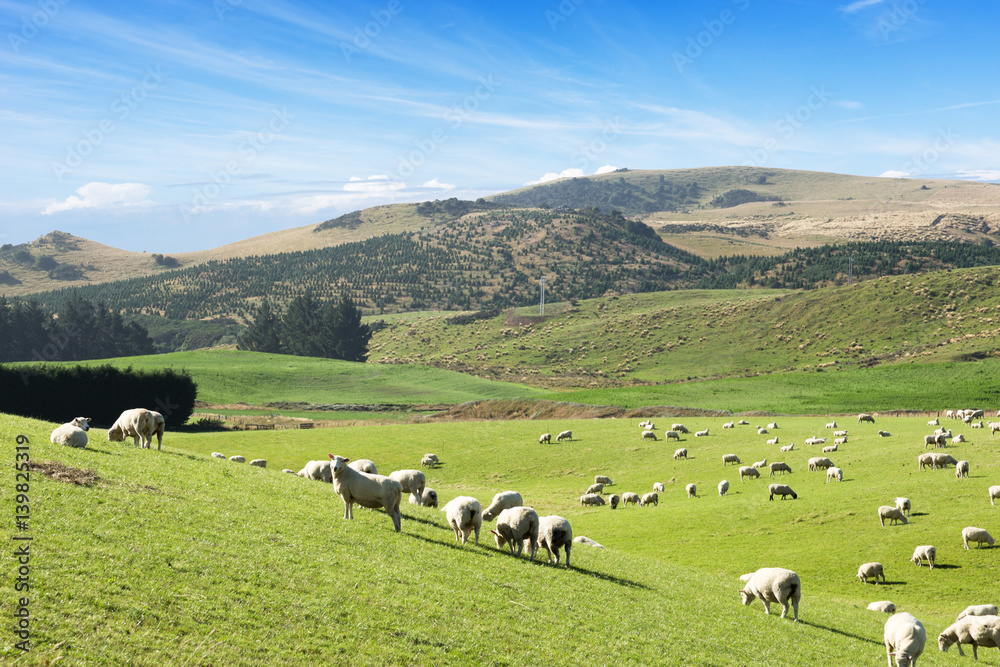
(317, 470)
(779, 466)
(412, 481)
(288, 470)
(773, 441)
(865, 417)
(680, 428)
(831, 424)
(884, 606)
(603, 479)
(649, 498)
(218, 455)
(924, 553)
(429, 461)
(701, 434)
(871, 571)
(975, 413)
(429, 498)
(744, 422)
(815, 441)
(790, 447)
(362, 465)
(773, 425)
(759, 464)
(237, 459)
(545, 438)
(515, 526)
(747, 471)
(465, 515)
(840, 434)
(891, 513)
(939, 431)
(829, 449)
(961, 469)
(554, 532)
(629, 498)
(942, 460)
(780, 490)
(884, 434)
(613, 500)
(761, 430)
(672, 435)
(773, 584)
(729, 425)
(648, 435)
(933, 422)
(930, 441)
(817, 462)
(595, 488)
(834, 472)
(159, 426)
(592, 499)
(580, 539)
(658, 487)
(366, 490)
(905, 638)
(993, 426)
(71, 434)
(137, 424)
(692, 490)
(925, 460)
(730, 458)
(977, 535)
(976, 630)
(958, 439)
(646, 425)
(903, 505)
(723, 488)
(840, 441)
(260, 463)
(565, 435)
(950, 414)
(994, 492)
(978, 610)
(505, 500)
(681, 453)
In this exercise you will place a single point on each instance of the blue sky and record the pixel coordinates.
(182, 125)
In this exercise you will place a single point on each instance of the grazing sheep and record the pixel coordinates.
(681, 453)
(506, 500)
(515, 526)
(723, 487)
(942, 460)
(362, 465)
(692, 491)
(680, 428)
(412, 481)
(817, 462)
(429, 498)
(930, 441)
(595, 488)
(465, 515)
(773, 425)
(580, 539)
(831, 425)
(979, 610)
(366, 490)
(977, 535)
(649, 498)
(317, 470)
(260, 463)
(871, 571)
(237, 459)
(926, 460)
(648, 435)
(840, 434)
(884, 606)
(747, 471)
(773, 441)
(961, 469)
(545, 438)
(613, 500)
(773, 584)
(730, 458)
(994, 492)
(884, 434)
(905, 638)
(779, 466)
(891, 513)
(760, 464)
(592, 499)
(159, 426)
(924, 553)
(729, 425)
(950, 414)
(137, 424)
(865, 417)
(565, 435)
(71, 434)
(830, 449)
(218, 455)
(975, 414)
(701, 434)
(629, 498)
(658, 487)
(976, 630)
(903, 505)
(429, 461)
(834, 473)
(780, 490)
(554, 532)
(994, 427)
(675, 435)
(790, 447)
(958, 439)
(603, 479)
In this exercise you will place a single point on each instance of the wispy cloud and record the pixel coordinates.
(859, 5)
(103, 196)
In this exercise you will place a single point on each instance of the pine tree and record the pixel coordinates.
(348, 337)
(302, 327)
(264, 333)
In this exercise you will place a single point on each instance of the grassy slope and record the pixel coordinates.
(189, 560)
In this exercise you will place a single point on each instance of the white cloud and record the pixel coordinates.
(376, 184)
(103, 195)
(860, 4)
(552, 176)
(606, 169)
(848, 104)
(892, 173)
(435, 183)
(978, 174)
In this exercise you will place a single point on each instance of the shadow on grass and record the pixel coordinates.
(842, 633)
(945, 566)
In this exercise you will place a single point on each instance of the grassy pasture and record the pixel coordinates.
(188, 560)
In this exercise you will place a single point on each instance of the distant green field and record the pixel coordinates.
(176, 558)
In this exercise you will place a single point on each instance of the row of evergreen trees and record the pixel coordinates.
(309, 328)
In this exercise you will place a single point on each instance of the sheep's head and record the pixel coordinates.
(903, 659)
(946, 639)
(115, 434)
(747, 596)
(82, 422)
(339, 462)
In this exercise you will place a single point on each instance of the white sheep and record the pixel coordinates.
(815, 441)
(649, 435)
(237, 459)
(958, 439)
(515, 526)
(681, 453)
(629, 498)
(962, 469)
(829, 449)
(505, 500)
(924, 552)
(701, 434)
(137, 424)
(159, 425)
(72, 433)
(885, 606)
(905, 638)
(218, 455)
(744, 422)
(840, 441)
(819, 462)
(933, 422)
(658, 487)
(903, 505)
(729, 425)
(747, 471)
(780, 490)
(672, 435)
(779, 466)
(790, 447)
(773, 441)
(950, 414)
(994, 492)
(773, 584)
(773, 425)
(580, 539)
(361, 465)
(891, 513)
(259, 463)
(942, 460)
(465, 515)
(603, 479)
(979, 631)
(977, 535)
(545, 438)
(565, 435)
(595, 488)
(840, 434)
(412, 481)
(317, 470)
(723, 487)
(429, 461)
(865, 417)
(871, 571)
(592, 499)
(651, 498)
(680, 428)
(288, 470)
(979, 610)
(761, 430)
(831, 424)
(692, 491)
(930, 441)
(730, 458)
(760, 464)
(429, 498)
(926, 461)
(834, 472)
(366, 490)
(554, 532)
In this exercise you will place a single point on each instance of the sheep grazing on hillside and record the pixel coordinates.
(979, 631)
(595, 488)
(592, 499)
(979, 610)
(555, 532)
(429, 461)
(603, 479)
(218, 455)
(259, 463)
(613, 500)
(926, 461)
(565, 435)
(629, 498)
(412, 481)
(237, 459)
(366, 490)
(994, 492)
(505, 500)
(692, 490)
(891, 513)
(903, 505)
(747, 471)
(977, 535)
(465, 515)
(651, 498)
(723, 487)
(834, 473)
(962, 469)
(924, 553)
(658, 487)
(580, 539)
(779, 466)
(865, 417)
(649, 435)
(159, 426)
(545, 438)
(884, 606)
(780, 490)
(72, 433)
(819, 463)
(680, 428)
(730, 458)
(515, 527)
(942, 460)
(137, 424)
(317, 470)
(362, 465)
(672, 435)
(773, 584)
(429, 498)
(681, 453)
(905, 638)
(871, 571)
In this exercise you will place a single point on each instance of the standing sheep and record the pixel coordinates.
(429, 498)
(834, 473)
(595, 488)
(692, 490)
(590, 499)
(904, 505)
(730, 458)
(137, 424)
(237, 459)
(942, 460)
(818, 462)
(976, 630)
(658, 487)
(603, 479)
(747, 471)
(429, 461)
(412, 481)
(545, 438)
(629, 498)
(465, 515)
(680, 428)
(977, 535)
(871, 571)
(554, 532)
(723, 487)
(366, 490)
(505, 500)
(71, 434)
(649, 435)
(317, 470)
(773, 584)
(891, 513)
(779, 466)
(651, 498)
(961, 469)
(865, 417)
(924, 553)
(780, 490)
(681, 453)
(672, 435)
(565, 435)
(159, 425)
(515, 526)
(613, 500)
(994, 492)
(905, 638)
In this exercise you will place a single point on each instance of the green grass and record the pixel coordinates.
(177, 558)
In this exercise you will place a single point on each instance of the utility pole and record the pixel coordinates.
(542, 305)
